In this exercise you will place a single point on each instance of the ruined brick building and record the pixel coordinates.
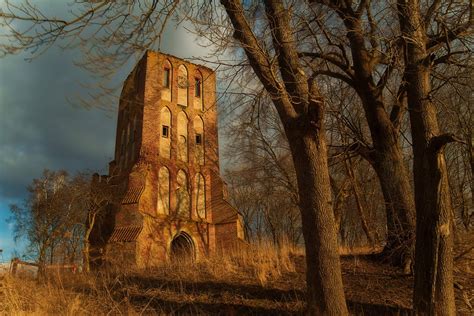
(169, 199)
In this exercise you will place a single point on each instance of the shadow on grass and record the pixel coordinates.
(152, 294)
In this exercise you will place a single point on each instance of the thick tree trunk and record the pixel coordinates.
(399, 203)
(386, 157)
(324, 280)
(387, 161)
(434, 292)
(300, 107)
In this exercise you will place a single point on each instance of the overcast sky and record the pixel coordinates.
(40, 129)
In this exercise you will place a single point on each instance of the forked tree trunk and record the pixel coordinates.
(387, 161)
(323, 277)
(301, 110)
(434, 292)
(386, 157)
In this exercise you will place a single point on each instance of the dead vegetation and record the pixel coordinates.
(258, 280)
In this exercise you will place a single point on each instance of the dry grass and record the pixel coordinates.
(193, 287)
(257, 280)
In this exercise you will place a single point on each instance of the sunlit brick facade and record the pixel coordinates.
(169, 197)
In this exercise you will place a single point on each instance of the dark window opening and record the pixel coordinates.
(198, 139)
(197, 88)
(165, 131)
(166, 78)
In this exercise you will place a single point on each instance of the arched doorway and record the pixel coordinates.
(182, 248)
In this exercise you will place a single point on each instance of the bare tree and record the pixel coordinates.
(263, 182)
(262, 177)
(124, 27)
(285, 47)
(49, 216)
(434, 292)
(454, 99)
(98, 195)
(354, 43)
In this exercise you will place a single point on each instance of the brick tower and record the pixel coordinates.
(169, 199)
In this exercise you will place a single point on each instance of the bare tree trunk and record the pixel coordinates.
(433, 293)
(301, 110)
(466, 215)
(339, 198)
(42, 264)
(325, 288)
(386, 156)
(86, 256)
(89, 227)
(357, 197)
(399, 204)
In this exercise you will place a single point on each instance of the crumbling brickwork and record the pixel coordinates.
(166, 168)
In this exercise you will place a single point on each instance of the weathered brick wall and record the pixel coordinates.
(155, 240)
(226, 237)
(141, 98)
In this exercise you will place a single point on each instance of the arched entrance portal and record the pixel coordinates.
(182, 248)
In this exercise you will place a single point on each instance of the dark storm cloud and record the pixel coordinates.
(40, 129)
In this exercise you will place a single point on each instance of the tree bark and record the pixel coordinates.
(386, 156)
(357, 196)
(301, 110)
(387, 161)
(323, 277)
(399, 203)
(434, 292)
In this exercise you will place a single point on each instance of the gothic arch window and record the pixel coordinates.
(182, 195)
(200, 195)
(182, 137)
(165, 132)
(163, 205)
(199, 140)
(167, 81)
(198, 90)
(183, 85)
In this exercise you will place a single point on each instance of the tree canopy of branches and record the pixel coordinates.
(52, 217)
(58, 216)
(281, 49)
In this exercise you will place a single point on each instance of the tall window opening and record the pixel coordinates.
(182, 137)
(200, 196)
(163, 206)
(165, 139)
(183, 86)
(167, 81)
(197, 87)
(199, 140)
(182, 195)
(198, 90)
(166, 78)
